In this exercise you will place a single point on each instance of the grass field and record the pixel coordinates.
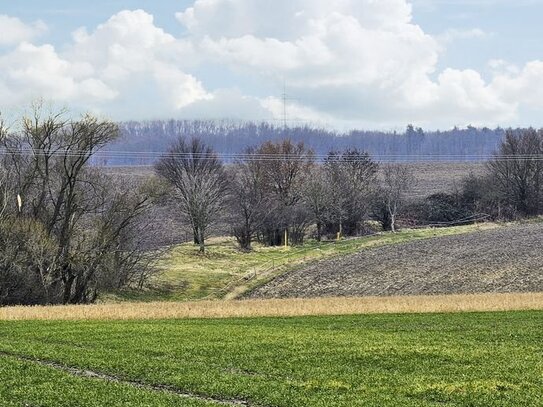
(464, 359)
(220, 273)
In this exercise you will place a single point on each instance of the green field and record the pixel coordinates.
(186, 274)
(471, 359)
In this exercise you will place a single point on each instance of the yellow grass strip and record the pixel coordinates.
(279, 308)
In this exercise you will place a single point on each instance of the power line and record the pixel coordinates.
(384, 158)
(340, 154)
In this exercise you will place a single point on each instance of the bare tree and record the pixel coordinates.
(518, 171)
(4, 180)
(286, 167)
(197, 176)
(248, 202)
(397, 181)
(4, 193)
(352, 176)
(76, 212)
(318, 198)
(26, 256)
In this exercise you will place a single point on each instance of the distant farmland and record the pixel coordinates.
(507, 259)
(432, 177)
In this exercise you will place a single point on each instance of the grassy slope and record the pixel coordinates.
(188, 275)
(478, 359)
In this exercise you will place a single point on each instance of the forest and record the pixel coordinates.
(141, 143)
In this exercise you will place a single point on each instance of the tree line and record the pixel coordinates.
(281, 192)
(228, 137)
(509, 189)
(276, 192)
(70, 231)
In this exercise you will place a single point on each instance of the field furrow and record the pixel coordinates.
(502, 260)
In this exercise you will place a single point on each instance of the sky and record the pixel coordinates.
(372, 64)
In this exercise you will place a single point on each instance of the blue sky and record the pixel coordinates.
(346, 63)
(513, 27)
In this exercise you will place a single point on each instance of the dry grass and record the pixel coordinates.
(222, 273)
(280, 308)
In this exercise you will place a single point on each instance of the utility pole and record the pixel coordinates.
(285, 99)
(284, 105)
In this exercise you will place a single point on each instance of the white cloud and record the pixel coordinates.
(14, 31)
(127, 66)
(523, 86)
(31, 71)
(227, 104)
(360, 62)
(454, 34)
(293, 110)
(351, 60)
(283, 18)
(128, 53)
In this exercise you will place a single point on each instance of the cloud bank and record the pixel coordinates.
(346, 62)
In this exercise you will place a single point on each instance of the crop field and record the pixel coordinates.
(432, 177)
(226, 272)
(475, 359)
(506, 259)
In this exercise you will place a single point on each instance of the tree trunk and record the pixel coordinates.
(244, 238)
(196, 235)
(201, 241)
(68, 283)
(79, 296)
(393, 222)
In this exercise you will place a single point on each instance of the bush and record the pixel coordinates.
(444, 208)
(26, 254)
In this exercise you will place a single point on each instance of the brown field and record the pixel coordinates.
(432, 177)
(502, 260)
(279, 308)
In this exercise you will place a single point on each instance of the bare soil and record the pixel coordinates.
(431, 177)
(503, 260)
(434, 177)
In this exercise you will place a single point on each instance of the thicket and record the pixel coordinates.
(67, 231)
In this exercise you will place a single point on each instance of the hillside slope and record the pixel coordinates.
(507, 259)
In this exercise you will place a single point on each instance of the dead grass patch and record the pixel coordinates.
(280, 307)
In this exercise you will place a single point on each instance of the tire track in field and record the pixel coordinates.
(91, 374)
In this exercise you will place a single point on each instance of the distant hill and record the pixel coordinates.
(142, 142)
